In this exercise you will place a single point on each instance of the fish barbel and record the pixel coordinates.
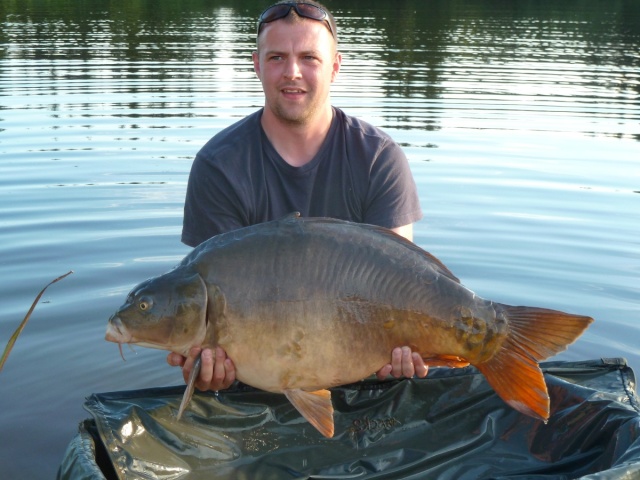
(305, 304)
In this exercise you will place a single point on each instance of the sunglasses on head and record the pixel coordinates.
(306, 10)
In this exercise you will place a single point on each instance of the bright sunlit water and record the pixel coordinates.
(521, 121)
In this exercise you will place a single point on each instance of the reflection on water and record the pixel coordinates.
(436, 64)
(520, 120)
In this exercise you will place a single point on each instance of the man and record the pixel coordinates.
(298, 153)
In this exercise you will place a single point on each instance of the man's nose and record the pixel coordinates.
(292, 69)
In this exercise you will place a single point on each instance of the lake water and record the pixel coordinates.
(521, 121)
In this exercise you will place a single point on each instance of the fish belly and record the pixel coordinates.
(314, 345)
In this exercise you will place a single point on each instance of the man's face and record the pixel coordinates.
(296, 63)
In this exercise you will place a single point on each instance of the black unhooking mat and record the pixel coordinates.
(450, 425)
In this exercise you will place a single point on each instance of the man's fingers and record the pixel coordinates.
(384, 372)
(206, 370)
(407, 363)
(419, 366)
(218, 371)
(231, 373)
(175, 359)
(396, 362)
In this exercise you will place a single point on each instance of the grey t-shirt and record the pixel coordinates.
(238, 179)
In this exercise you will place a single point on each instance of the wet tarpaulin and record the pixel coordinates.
(450, 425)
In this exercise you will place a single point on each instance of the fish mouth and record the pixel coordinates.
(117, 332)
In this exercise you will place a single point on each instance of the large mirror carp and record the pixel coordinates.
(305, 304)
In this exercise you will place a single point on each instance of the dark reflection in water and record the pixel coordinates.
(411, 50)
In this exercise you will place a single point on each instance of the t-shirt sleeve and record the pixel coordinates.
(392, 199)
(212, 204)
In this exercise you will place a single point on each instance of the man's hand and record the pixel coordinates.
(404, 363)
(216, 373)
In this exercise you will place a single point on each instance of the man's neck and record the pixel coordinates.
(297, 144)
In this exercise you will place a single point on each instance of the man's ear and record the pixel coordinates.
(336, 66)
(256, 63)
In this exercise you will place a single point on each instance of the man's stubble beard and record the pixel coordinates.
(300, 118)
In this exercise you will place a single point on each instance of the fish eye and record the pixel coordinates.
(145, 304)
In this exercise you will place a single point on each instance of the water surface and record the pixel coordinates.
(521, 121)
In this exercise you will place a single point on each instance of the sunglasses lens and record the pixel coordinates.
(310, 11)
(275, 12)
(281, 10)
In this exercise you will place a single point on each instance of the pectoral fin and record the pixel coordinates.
(188, 392)
(316, 407)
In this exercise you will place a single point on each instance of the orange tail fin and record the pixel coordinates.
(535, 335)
